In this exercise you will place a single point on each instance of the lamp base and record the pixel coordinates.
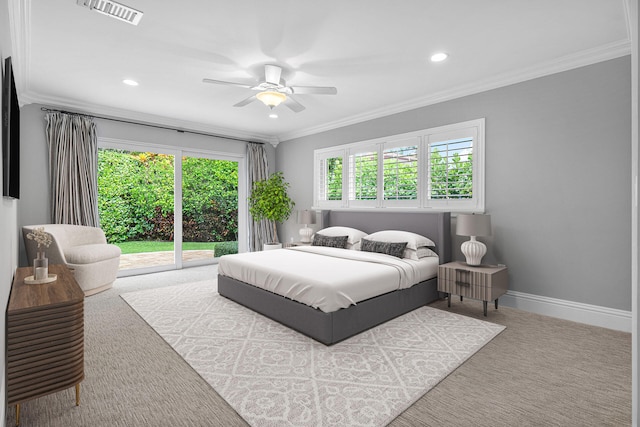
(473, 251)
(305, 234)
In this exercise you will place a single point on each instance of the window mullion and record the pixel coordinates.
(380, 183)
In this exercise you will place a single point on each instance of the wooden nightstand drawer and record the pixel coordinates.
(473, 282)
(465, 289)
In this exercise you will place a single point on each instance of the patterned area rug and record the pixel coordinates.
(274, 376)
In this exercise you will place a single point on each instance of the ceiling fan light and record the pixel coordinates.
(439, 57)
(271, 98)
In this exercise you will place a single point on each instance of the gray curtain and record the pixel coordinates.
(73, 169)
(259, 231)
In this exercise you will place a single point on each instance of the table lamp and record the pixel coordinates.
(306, 217)
(473, 225)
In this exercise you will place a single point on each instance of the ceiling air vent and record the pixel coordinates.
(113, 9)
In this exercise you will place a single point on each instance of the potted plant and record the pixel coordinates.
(269, 200)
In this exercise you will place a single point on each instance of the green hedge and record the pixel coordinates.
(225, 248)
(135, 197)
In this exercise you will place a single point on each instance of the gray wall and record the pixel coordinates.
(8, 221)
(557, 178)
(34, 206)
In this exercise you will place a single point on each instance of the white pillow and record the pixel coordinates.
(424, 251)
(417, 254)
(414, 241)
(354, 235)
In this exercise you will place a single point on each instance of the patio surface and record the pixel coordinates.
(151, 259)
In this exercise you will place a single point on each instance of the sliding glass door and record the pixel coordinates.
(209, 208)
(167, 209)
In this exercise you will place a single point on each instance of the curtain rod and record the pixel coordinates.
(53, 110)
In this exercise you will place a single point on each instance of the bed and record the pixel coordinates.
(336, 325)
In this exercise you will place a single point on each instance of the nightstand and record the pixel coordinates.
(486, 283)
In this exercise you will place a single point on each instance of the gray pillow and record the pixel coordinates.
(388, 248)
(330, 241)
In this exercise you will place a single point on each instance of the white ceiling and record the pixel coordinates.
(376, 52)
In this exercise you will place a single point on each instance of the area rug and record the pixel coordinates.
(274, 376)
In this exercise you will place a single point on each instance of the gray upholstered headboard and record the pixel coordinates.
(436, 226)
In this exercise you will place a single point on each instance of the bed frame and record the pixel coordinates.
(330, 328)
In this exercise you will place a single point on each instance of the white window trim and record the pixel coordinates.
(318, 157)
(424, 137)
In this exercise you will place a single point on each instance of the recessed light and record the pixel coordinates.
(130, 82)
(438, 57)
(273, 116)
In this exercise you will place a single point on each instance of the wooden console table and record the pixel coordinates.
(45, 337)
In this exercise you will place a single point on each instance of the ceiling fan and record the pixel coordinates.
(273, 91)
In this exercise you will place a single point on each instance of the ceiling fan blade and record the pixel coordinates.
(220, 82)
(272, 74)
(246, 101)
(293, 105)
(318, 90)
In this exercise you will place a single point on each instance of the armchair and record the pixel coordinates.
(84, 250)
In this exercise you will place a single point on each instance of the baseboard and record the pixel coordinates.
(610, 318)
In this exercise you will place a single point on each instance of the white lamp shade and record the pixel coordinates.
(306, 217)
(473, 225)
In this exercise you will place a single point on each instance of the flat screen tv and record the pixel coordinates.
(10, 134)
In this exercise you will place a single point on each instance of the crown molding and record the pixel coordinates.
(569, 62)
(273, 140)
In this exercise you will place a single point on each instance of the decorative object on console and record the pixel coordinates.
(473, 225)
(40, 263)
(306, 217)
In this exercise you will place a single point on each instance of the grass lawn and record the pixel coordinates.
(136, 247)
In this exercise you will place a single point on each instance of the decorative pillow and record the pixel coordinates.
(417, 254)
(395, 249)
(414, 241)
(354, 235)
(330, 241)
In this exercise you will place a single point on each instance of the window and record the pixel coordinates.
(400, 172)
(328, 186)
(363, 176)
(440, 168)
(451, 169)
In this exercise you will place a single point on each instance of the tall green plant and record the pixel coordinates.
(269, 200)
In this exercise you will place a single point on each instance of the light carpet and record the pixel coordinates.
(274, 376)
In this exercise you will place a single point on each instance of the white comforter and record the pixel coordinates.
(326, 278)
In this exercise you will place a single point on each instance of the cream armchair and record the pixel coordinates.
(83, 249)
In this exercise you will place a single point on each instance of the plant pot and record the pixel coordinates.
(270, 246)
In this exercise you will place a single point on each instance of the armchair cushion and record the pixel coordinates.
(89, 254)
